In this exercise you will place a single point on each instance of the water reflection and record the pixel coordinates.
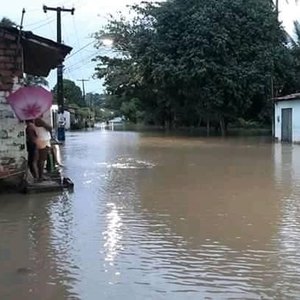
(30, 266)
(113, 234)
(287, 162)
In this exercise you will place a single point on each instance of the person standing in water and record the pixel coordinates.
(32, 150)
(43, 144)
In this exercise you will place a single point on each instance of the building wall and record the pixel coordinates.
(12, 132)
(295, 105)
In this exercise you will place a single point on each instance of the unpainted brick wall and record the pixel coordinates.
(12, 132)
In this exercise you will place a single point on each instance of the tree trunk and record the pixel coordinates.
(217, 127)
(166, 124)
(208, 127)
(223, 127)
(199, 122)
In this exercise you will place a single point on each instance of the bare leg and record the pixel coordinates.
(41, 162)
(34, 164)
(56, 154)
(32, 160)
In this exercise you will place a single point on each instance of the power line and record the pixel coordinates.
(51, 20)
(85, 59)
(88, 57)
(85, 46)
(44, 24)
(38, 22)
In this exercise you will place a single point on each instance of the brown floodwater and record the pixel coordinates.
(155, 216)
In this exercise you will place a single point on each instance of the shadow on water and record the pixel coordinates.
(160, 216)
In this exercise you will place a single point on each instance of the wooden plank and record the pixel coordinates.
(50, 186)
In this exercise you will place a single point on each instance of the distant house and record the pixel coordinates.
(20, 52)
(117, 120)
(287, 118)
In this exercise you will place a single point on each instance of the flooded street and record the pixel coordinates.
(158, 217)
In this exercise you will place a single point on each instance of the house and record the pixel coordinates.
(117, 120)
(20, 52)
(287, 118)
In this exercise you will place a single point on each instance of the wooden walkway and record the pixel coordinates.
(51, 185)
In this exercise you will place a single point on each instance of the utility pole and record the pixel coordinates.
(83, 89)
(83, 98)
(60, 91)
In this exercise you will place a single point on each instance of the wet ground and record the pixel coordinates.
(158, 217)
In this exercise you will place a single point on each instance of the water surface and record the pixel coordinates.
(158, 217)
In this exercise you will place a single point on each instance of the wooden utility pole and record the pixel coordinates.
(83, 100)
(60, 90)
(83, 89)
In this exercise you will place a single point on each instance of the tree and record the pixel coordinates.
(7, 22)
(35, 80)
(194, 61)
(72, 93)
(95, 99)
(292, 84)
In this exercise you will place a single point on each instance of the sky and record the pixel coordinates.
(89, 17)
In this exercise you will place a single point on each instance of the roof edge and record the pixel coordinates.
(291, 97)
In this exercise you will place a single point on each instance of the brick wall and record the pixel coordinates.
(12, 131)
(10, 60)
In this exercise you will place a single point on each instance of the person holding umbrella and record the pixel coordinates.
(31, 148)
(29, 103)
(43, 144)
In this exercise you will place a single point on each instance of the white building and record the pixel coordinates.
(287, 118)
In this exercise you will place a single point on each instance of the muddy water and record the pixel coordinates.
(158, 217)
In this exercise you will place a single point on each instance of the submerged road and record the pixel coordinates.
(154, 216)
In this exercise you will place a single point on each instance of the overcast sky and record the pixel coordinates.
(90, 16)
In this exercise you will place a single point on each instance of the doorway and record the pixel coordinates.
(286, 125)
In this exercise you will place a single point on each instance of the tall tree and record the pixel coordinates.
(72, 93)
(189, 61)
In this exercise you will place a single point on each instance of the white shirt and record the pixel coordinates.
(43, 137)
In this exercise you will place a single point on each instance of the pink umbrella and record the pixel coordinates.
(30, 102)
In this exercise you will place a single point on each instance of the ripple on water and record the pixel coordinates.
(180, 231)
(127, 163)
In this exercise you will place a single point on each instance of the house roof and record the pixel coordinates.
(290, 97)
(40, 54)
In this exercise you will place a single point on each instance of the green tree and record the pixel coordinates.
(195, 61)
(95, 99)
(35, 80)
(7, 22)
(72, 93)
